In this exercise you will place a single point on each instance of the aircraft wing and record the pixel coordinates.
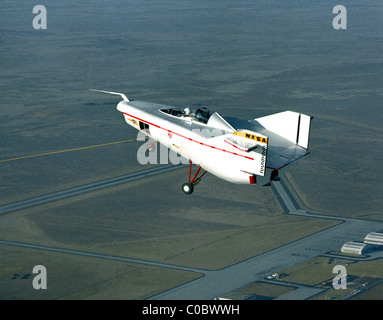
(277, 159)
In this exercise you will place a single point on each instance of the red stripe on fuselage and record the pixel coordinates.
(190, 139)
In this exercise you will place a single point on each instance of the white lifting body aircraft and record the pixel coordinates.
(232, 149)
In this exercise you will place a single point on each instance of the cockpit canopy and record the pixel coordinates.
(200, 114)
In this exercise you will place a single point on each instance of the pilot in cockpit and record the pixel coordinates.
(200, 114)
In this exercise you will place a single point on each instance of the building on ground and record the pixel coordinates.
(375, 238)
(354, 247)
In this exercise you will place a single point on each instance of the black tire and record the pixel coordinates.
(187, 188)
(274, 175)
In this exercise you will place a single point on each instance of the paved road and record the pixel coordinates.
(214, 283)
(101, 256)
(83, 189)
(255, 269)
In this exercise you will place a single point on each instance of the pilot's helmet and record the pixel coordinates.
(187, 111)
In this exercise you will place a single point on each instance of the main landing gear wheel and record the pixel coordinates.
(188, 187)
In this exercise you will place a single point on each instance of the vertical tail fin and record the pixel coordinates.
(290, 125)
(303, 134)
